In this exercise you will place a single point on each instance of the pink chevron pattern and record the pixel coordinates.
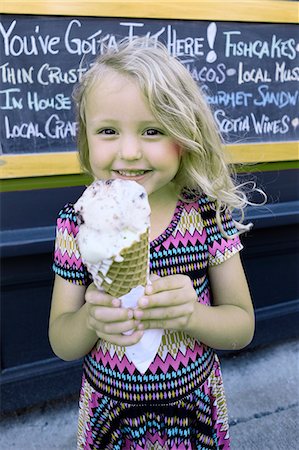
(189, 423)
(184, 380)
(218, 252)
(184, 240)
(114, 362)
(67, 260)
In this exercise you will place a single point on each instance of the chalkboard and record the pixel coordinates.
(249, 73)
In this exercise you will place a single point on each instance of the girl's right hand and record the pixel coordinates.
(109, 320)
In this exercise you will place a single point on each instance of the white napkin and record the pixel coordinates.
(144, 352)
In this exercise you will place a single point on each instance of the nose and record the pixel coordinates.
(130, 148)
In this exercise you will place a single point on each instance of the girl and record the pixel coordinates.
(143, 118)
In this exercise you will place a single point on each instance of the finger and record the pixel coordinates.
(167, 283)
(108, 314)
(179, 323)
(119, 327)
(153, 277)
(124, 340)
(167, 298)
(170, 312)
(113, 327)
(96, 297)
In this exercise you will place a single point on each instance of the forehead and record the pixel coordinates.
(115, 91)
(111, 81)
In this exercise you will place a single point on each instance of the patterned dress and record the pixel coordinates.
(179, 402)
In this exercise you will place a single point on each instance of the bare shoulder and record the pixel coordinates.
(67, 297)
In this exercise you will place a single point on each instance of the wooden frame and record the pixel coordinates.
(231, 10)
(31, 165)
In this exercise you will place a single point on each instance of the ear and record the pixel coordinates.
(179, 149)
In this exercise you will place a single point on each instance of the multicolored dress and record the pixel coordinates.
(179, 402)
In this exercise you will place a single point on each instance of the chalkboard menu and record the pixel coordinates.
(248, 71)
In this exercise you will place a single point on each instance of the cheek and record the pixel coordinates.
(173, 155)
(98, 155)
(167, 155)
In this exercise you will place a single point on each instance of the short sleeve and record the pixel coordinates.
(220, 246)
(67, 260)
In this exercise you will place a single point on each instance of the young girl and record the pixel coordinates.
(143, 118)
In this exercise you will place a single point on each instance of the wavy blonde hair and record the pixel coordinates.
(178, 103)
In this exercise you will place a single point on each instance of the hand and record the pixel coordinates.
(168, 303)
(109, 320)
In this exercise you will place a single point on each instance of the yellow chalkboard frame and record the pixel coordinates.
(64, 163)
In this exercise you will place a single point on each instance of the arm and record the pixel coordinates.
(69, 334)
(229, 323)
(172, 303)
(80, 316)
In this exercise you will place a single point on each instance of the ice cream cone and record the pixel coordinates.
(113, 247)
(132, 271)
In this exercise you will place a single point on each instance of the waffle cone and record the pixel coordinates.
(131, 272)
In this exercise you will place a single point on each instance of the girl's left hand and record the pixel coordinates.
(168, 303)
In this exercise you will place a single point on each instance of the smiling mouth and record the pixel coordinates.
(131, 173)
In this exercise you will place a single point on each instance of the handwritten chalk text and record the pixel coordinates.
(280, 99)
(276, 48)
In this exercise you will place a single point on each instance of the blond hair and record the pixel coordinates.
(178, 103)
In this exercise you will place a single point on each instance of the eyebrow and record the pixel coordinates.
(108, 121)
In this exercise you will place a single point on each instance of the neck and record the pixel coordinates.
(162, 203)
(164, 196)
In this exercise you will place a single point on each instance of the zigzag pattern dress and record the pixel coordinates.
(179, 402)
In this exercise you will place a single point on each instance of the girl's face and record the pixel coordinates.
(124, 138)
